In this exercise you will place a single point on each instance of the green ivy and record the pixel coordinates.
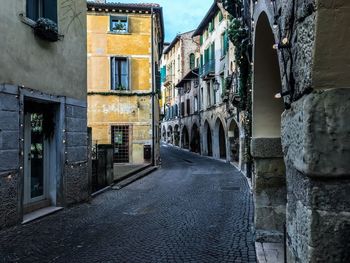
(239, 37)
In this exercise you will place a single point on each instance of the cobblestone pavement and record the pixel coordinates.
(192, 209)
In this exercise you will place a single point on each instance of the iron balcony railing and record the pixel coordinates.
(208, 68)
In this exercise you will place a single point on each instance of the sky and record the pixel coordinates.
(179, 15)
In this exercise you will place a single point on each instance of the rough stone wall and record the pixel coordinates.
(318, 217)
(317, 153)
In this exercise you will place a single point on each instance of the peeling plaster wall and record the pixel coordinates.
(105, 111)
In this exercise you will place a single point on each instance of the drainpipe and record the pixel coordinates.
(153, 89)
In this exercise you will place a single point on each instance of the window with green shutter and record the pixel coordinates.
(221, 16)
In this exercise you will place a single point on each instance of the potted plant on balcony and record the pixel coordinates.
(46, 29)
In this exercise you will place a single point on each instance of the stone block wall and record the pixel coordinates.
(76, 153)
(9, 156)
(316, 143)
(269, 183)
(72, 169)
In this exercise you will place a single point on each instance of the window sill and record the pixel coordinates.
(118, 33)
(120, 91)
(27, 21)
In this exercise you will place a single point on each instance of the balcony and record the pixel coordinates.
(168, 80)
(208, 69)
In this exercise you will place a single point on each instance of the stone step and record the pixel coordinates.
(134, 178)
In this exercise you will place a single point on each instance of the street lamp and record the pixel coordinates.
(216, 85)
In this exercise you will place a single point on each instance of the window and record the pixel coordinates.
(182, 112)
(208, 95)
(119, 73)
(195, 104)
(201, 40)
(36, 9)
(119, 24)
(192, 61)
(220, 16)
(188, 107)
(224, 44)
(212, 51)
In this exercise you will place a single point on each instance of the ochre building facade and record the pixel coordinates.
(123, 54)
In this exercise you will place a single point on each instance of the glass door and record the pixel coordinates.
(34, 181)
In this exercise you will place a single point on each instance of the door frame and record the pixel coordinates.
(56, 163)
(27, 166)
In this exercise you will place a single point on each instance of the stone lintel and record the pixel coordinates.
(316, 133)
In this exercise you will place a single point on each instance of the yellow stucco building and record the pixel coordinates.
(124, 45)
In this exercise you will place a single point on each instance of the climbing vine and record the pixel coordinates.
(121, 94)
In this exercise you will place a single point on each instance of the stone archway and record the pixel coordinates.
(170, 134)
(195, 139)
(185, 138)
(176, 135)
(207, 140)
(164, 133)
(234, 142)
(269, 174)
(219, 140)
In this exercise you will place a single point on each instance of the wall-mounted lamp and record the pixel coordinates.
(216, 85)
(282, 94)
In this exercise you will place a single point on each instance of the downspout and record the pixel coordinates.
(153, 89)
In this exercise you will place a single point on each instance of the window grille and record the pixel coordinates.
(120, 142)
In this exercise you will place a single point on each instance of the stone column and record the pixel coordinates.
(269, 183)
(316, 145)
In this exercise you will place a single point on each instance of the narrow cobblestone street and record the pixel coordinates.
(192, 209)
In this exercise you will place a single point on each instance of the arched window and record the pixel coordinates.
(192, 61)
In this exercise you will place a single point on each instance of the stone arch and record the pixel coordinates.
(233, 135)
(195, 139)
(267, 109)
(185, 138)
(219, 140)
(176, 135)
(207, 140)
(170, 134)
(269, 170)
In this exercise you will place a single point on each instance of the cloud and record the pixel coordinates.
(179, 15)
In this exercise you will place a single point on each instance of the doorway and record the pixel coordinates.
(39, 153)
